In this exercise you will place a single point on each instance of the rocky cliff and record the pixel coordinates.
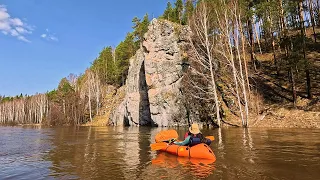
(153, 95)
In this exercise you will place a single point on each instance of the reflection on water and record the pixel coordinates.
(198, 168)
(123, 153)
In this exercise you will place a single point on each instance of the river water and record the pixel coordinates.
(123, 153)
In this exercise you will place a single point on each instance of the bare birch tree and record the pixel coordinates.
(91, 90)
(217, 48)
(225, 18)
(24, 110)
(202, 45)
(244, 80)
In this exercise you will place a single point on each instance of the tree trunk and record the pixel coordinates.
(90, 103)
(282, 22)
(243, 82)
(293, 86)
(64, 107)
(269, 29)
(97, 92)
(106, 70)
(245, 65)
(308, 82)
(235, 77)
(262, 33)
(293, 21)
(275, 57)
(251, 43)
(273, 41)
(213, 82)
(312, 20)
(318, 7)
(257, 37)
(306, 63)
(215, 94)
(251, 38)
(301, 18)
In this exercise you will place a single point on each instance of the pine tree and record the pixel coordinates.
(178, 11)
(168, 13)
(123, 52)
(140, 28)
(188, 12)
(103, 66)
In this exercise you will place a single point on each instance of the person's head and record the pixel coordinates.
(194, 129)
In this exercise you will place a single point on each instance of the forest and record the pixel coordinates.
(243, 55)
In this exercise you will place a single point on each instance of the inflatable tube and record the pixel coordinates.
(201, 151)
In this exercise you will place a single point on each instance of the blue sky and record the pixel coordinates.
(42, 41)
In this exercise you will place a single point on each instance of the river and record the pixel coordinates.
(35, 152)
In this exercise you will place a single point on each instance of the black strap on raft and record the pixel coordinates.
(205, 145)
(189, 149)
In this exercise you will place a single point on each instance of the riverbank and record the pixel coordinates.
(305, 115)
(277, 118)
(283, 118)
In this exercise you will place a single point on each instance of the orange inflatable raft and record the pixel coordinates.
(201, 151)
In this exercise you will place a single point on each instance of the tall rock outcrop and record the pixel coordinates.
(153, 95)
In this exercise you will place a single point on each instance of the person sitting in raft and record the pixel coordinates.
(193, 137)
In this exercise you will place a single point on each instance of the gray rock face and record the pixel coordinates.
(153, 94)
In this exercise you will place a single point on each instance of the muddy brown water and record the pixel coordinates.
(36, 152)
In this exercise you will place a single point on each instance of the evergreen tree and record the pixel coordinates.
(168, 13)
(188, 12)
(123, 52)
(140, 28)
(104, 65)
(178, 11)
(52, 95)
(64, 87)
